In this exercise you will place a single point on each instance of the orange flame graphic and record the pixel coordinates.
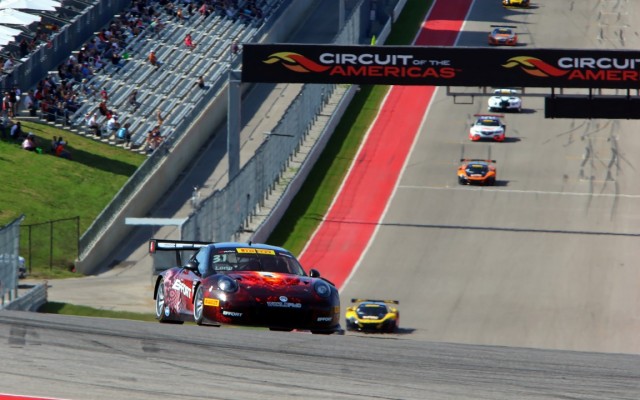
(535, 66)
(295, 62)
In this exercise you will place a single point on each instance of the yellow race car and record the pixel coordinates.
(516, 3)
(373, 316)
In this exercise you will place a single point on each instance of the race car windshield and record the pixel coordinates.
(488, 122)
(477, 169)
(503, 31)
(267, 261)
(377, 311)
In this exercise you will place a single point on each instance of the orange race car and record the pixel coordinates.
(503, 35)
(477, 172)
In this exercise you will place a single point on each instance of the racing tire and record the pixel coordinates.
(160, 302)
(491, 182)
(198, 306)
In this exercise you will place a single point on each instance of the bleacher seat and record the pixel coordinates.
(173, 83)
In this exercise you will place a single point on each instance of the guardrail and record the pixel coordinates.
(32, 300)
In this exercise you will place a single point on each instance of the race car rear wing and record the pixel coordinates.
(176, 246)
(476, 160)
(377, 301)
(173, 245)
(489, 115)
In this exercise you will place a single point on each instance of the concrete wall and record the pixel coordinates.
(167, 172)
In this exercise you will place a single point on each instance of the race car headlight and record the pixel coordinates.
(227, 284)
(322, 289)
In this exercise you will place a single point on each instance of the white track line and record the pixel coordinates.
(537, 192)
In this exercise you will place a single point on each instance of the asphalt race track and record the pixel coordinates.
(526, 290)
(85, 358)
(548, 257)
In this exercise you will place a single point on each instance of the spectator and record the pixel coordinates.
(133, 100)
(200, 82)
(113, 125)
(160, 118)
(85, 71)
(61, 149)
(116, 59)
(7, 106)
(188, 41)
(29, 142)
(204, 10)
(104, 110)
(4, 128)
(154, 139)
(124, 135)
(92, 124)
(179, 15)
(54, 144)
(24, 48)
(235, 48)
(16, 95)
(8, 65)
(153, 59)
(30, 103)
(16, 131)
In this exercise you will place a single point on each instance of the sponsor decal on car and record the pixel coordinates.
(244, 250)
(212, 302)
(232, 314)
(283, 303)
(182, 288)
(324, 319)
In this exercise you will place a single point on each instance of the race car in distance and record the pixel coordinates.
(243, 284)
(487, 126)
(505, 100)
(516, 3)
(372, 316)
(503, 36)
(477, 172)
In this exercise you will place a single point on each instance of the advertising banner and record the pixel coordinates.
(441, 66)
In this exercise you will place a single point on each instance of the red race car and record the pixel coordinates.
(243, 284)
(477, 172)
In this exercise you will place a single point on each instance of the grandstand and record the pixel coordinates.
(170, 89)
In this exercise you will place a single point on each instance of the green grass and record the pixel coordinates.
(43, 187)
(315, 196)
(70, 309)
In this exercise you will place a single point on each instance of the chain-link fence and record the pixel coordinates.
(227, 212)
(52, 244)
(9, 260)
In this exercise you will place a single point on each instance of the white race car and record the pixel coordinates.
(487, 126)
(505, 100)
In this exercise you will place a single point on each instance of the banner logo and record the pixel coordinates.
(604, 69)
(535, 67)
(366, 65)
(295, 62)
